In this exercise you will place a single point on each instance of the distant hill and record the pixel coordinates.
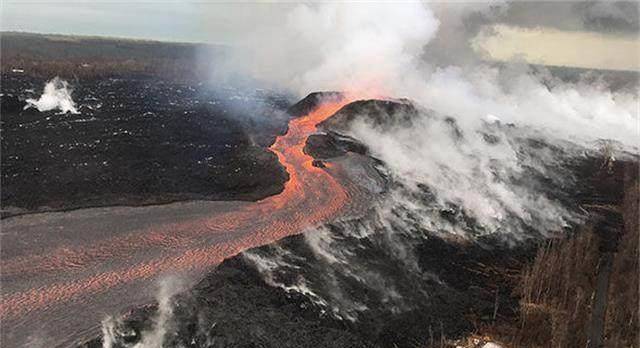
(44, 55)
(614, 79)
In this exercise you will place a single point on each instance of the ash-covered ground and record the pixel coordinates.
(137, 140)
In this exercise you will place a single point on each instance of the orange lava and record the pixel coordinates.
(311, 196)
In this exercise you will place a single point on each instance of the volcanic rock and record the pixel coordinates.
(318, 163)
(312, 101)
(383, 113)
(137, 141)
(331, 144)
(11, 104)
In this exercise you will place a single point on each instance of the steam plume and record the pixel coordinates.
(155, 336)
(397, 50)
(338, 46)
(56, 96)
(424, 52)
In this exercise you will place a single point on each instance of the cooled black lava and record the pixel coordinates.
(138, 141)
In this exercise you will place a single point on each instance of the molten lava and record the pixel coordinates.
(73, 274)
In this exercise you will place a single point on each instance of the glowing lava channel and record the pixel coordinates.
(311, 196)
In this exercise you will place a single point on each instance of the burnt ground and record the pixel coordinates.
(590, 277)
(139, 140)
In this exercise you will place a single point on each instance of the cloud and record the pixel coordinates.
(339, 46)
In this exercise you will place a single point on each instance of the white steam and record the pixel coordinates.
(56, 96)
(578, 111)
(154, 337)
(339, 46)
(469, 172)
(396, 50)
(384, 49)
(269, 267)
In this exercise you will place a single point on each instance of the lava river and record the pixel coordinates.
(62, 273)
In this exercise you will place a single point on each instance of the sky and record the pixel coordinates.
(562, 47)
(203, 21)
(556, 33)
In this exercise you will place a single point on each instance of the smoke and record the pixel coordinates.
(153, 337)
(579, 112)
(274, 266)
(424, 52)
(490, 174)
(605, 16)
(56, 96)
(337, 46)
(459, 24)
(336, 258)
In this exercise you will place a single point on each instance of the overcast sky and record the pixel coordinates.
(215, 22)
(615, 43)
(222, 22)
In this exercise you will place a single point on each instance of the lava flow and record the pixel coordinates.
(105, 264)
